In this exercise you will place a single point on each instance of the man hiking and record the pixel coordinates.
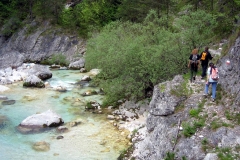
(205, 56)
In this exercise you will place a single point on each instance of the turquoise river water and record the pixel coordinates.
(94, 139)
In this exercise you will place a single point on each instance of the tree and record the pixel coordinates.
(197, 28)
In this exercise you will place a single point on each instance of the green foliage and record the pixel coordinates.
(225, 154)
(127, 56)
(170, 156)
(58, 59)
(197, 27)
(93, 15)
(204, 141)
(67, 18)
(194, 112)
(235, 117)
(188, 130)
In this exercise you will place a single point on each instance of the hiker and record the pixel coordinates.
(212, 79)
(193, 64)
(205, 57)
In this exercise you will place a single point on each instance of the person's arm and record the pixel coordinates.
(210, 56)
(189, 62)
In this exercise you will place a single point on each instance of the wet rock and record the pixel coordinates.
(62, 129)
(61, 89)
(8, 102)
(3, 121)
(3, 97)
(60, 137)
(92, 105)
(74, 123)
(41, 146)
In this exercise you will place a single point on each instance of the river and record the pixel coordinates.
(94, 138)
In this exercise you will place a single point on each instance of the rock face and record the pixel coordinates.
(37, 45)
(45, 119)
(230, 73)
(169, 119)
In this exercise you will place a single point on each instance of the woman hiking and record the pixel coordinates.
(193, 64)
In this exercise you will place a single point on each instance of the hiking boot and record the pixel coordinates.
(194, 78)
(202, 77)
(213, 100)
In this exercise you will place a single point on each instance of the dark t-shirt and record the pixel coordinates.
(208, 57)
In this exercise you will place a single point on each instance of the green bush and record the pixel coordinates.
(58, 59)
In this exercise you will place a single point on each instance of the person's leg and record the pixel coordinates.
(206, 88)
(214, 88)
(191, 74)
(202, 70)
(204, 67)
(194, 72)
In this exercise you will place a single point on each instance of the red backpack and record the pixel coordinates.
(214, 73)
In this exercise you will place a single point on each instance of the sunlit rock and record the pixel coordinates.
(77, 65)
(41, 146)
(94, 72)
(61, 89)
(86, 78)
(3, 97)
(83, 70)
(33, 81)
(89, 93)
(40, 71)
(62, 129)
(45, 119)
(3, 88)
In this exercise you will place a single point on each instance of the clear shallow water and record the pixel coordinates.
(94, 139)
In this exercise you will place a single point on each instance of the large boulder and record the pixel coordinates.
(41, 72)
(33, 81)
(77, 65)
(45, 119)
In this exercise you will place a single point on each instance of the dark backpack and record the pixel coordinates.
(194, 59)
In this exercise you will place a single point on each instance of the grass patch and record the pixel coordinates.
(188, 130)
(194, 112)
(162, 87)
(170, 156)
(225, 154)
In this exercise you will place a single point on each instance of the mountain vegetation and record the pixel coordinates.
(136, 43)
